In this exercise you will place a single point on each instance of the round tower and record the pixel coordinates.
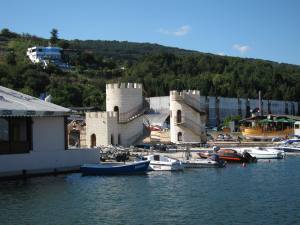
(124, 97)
(187, 124)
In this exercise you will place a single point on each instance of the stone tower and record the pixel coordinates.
(122, 123)
(187, 118)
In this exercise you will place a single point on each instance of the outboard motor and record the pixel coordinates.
(216, 148)
(248, 157)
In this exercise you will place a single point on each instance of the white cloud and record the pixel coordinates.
(241, 48)
(181, 31)
(221, 53)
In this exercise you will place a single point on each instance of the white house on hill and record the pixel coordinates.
(33, 137)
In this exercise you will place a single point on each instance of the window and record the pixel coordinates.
(116, 109)
(179, 136)
(297, 126)
(178, 120)
(15, 135)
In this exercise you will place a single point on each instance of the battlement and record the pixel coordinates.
(124, 86)
(194, 93)
(102, 115)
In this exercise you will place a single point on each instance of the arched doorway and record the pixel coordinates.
(179, 136)
(93, 140)
(179, 119)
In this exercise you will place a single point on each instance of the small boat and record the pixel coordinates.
(158, 162)
(203, 163)
(292, 147)
(288, 148)
(209, 162)
(115, 168)
(263, 153)
(231, 155)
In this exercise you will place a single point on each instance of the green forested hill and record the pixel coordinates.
(159, 68)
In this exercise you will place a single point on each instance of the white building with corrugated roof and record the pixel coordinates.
(33, 137)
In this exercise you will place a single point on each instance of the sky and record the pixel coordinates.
(265, 29)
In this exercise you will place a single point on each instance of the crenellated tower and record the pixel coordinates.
(122, 123)
(187, 117)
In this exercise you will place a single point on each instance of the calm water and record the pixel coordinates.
(262, 193)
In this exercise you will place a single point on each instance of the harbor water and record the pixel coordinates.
(267, 192)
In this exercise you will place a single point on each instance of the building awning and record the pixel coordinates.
(15, 104)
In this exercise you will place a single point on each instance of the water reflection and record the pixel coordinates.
(263, 193)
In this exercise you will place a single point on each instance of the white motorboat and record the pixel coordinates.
(202, 163)
(293, 147)
(263, 153)
(159, 162)
(208, 162)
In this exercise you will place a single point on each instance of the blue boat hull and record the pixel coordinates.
(102, 169)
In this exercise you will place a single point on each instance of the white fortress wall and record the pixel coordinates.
(219, 110)
(99, 123)
(158, 104)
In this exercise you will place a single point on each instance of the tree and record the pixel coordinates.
(11, 58)
(54, 36)
(8, 34)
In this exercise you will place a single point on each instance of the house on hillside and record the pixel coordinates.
(33, 137)
(46, 55)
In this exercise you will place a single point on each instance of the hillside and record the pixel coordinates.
(159, 68)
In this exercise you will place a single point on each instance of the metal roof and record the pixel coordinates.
(157, 118)
(14, 103)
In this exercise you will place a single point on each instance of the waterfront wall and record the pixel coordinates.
(218, 108)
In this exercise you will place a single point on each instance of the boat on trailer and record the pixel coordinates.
(115, 168)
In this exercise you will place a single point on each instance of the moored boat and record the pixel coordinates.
(263, 153)
(158, 162)
(115, 168)
(203, 163)
(231, 155)
(289, 147)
